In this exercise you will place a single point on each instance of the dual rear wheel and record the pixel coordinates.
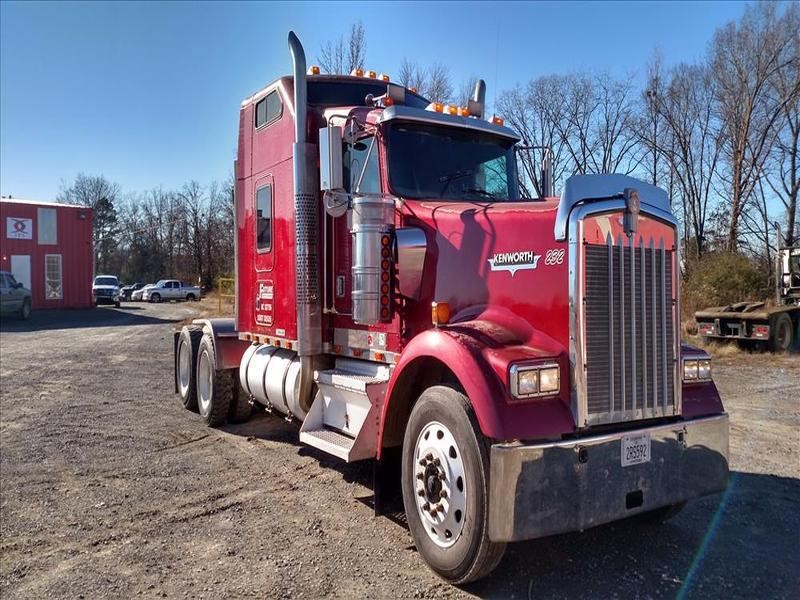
(203, 387)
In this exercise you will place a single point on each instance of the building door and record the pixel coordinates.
(21, 269)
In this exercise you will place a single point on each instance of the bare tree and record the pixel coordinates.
(411, 75)
(99, 194)
(650, 129)
(783, 176)
(338, 58)
(745, 58)
(465, 90)
(691, 144)
(437, 85)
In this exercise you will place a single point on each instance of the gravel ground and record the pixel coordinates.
(111, 489)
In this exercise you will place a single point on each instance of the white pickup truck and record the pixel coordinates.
(171, 289)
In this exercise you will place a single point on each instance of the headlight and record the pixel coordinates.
(697, 369)
(537, 380)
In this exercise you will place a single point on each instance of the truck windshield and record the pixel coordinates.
(431, 161)
(105, 281)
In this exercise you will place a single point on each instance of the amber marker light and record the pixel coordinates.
(440, 313)
(384, 76)
(357, 72)
(313, 70)
(497, 120)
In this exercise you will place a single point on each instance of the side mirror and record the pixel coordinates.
(331, 166)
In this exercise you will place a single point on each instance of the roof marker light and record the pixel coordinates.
(413, 89)
(497, 120)
(313, 70)
(451, 110)
(435, 106)
(384, 76)
(357, 72)
(463, 111)
(372, 74)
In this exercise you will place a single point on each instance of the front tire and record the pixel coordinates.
(445, 477)
(186, 365)
(190, 297)
(25, 309)
(214, 386)
(155, 298)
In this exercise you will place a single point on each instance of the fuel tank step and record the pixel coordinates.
(343, 420)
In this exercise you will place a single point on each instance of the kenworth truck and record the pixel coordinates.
(512, 366)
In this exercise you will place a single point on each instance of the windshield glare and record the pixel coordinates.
(105, 281)
(428, 161)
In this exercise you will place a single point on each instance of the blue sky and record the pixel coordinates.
(148, 94)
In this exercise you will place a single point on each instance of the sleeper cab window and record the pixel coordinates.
(268, 109)
(264, 218)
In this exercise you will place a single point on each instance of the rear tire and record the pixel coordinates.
(443, 433)
(241, 409)
(214, 386)
(25, 309)
(190, 297)
(186, 365)
(781, 337)
(116, 304)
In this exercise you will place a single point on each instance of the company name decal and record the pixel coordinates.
(514, 261)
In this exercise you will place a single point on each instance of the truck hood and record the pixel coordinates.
(500, 257)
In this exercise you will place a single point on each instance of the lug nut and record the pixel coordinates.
(420, 492)
(441, 476)
(443, 494)
(426, 506)
(421, 462)
(436, 461)
(429, 456)
(440, 508)
(420, 476)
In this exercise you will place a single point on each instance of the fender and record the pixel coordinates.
(227, 345)
(481, 370)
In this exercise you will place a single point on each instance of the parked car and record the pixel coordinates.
(137, 296)
(15, 298)
(105, 290)
(171, 289)
(126, 291)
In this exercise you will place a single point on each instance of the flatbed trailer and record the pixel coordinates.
(777, 326)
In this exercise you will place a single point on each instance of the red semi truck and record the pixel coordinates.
(512, 366)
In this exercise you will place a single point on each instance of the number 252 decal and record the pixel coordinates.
(554, 256)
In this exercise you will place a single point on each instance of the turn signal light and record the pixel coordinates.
(313, 70)
(440, 313)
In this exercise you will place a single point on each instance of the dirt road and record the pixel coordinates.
(109, 488)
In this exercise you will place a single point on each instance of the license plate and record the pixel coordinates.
(635, 449)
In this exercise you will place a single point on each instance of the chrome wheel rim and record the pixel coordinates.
(204, 382)
(439, 484)
(184, 367)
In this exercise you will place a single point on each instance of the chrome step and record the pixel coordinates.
(343, 420)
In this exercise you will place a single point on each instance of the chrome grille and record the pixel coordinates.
(629, 331)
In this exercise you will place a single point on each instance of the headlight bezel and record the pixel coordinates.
(696, 369)
(518, 371)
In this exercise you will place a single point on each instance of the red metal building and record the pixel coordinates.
(48, 248)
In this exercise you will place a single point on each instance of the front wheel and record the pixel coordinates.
(155, 298)
(25, 309)
(445, 478)
(189, 297)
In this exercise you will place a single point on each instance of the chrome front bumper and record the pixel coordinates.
(557, 487)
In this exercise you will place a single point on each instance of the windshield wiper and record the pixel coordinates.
(450, 177)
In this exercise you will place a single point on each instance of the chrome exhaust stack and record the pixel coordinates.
(307, 263)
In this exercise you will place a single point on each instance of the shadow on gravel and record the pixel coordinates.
(42, 320)
(741, 544)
